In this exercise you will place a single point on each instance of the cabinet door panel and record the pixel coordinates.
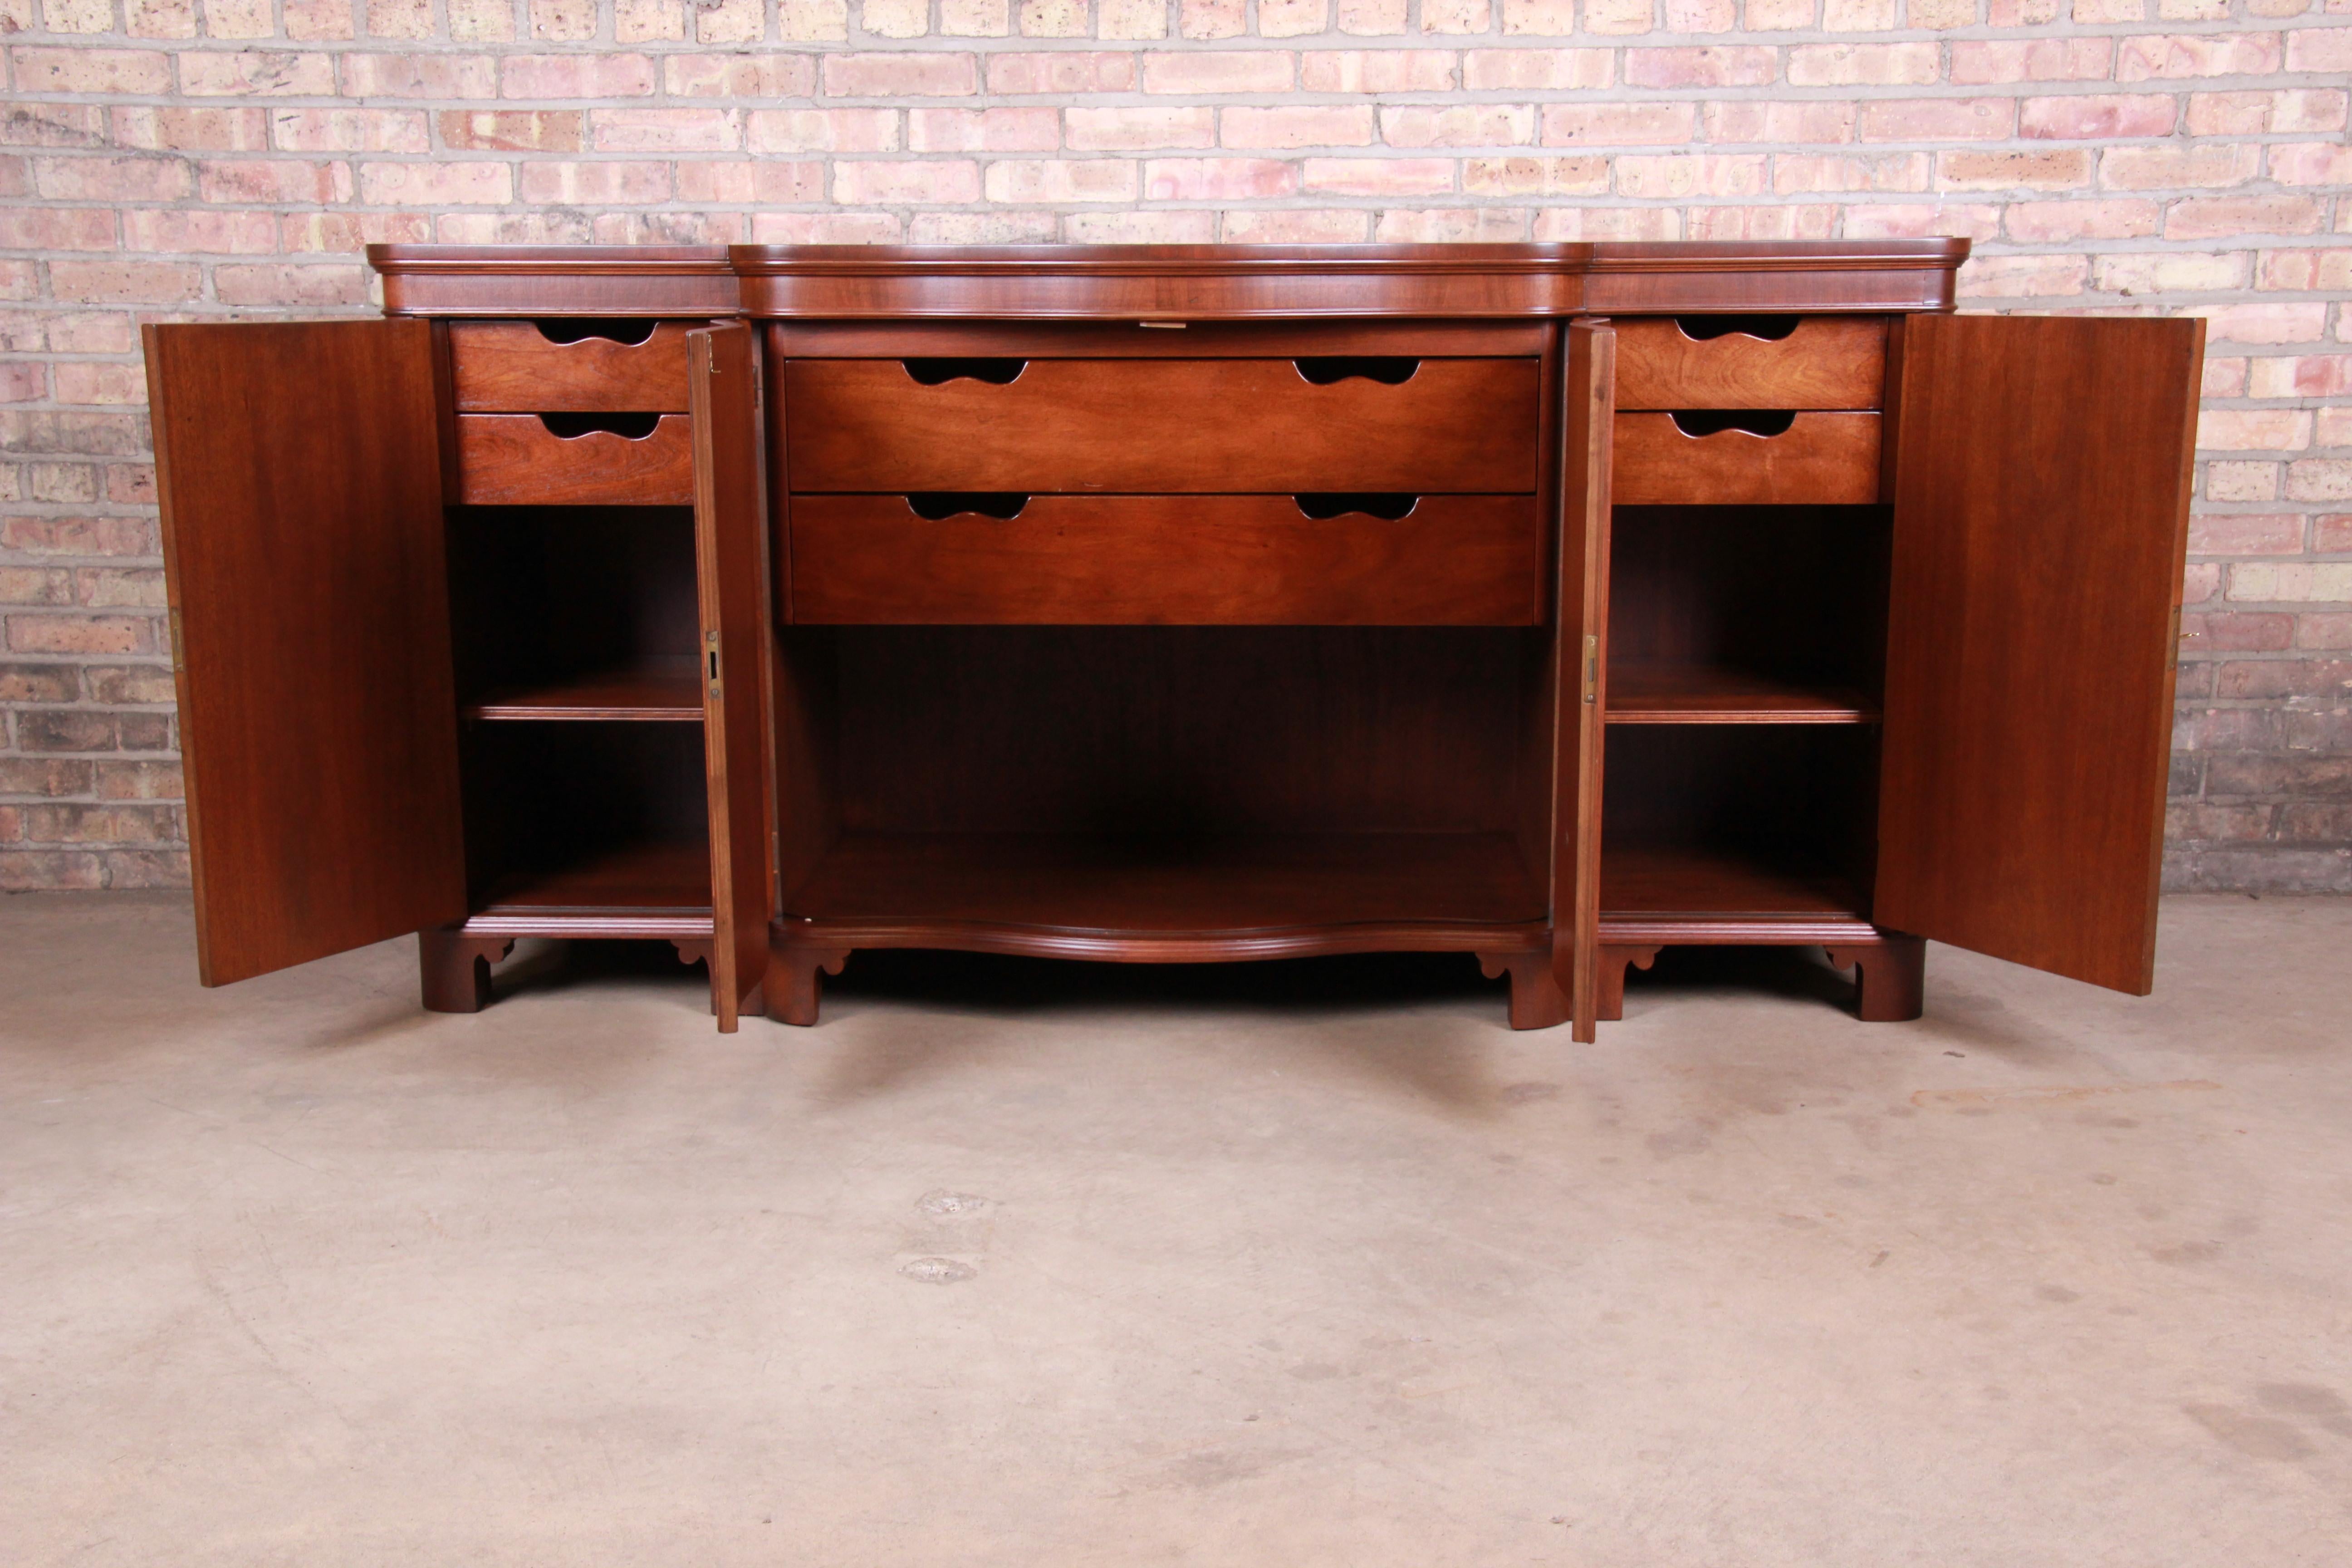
(299, 471)
(731, 571)
(2042, 487)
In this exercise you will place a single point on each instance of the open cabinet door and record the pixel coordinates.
(731, 549)
(1588, 395)
(2042, 485)
(299, 471)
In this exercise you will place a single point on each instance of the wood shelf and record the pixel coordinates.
(636, 890)
(659, 691)
(1687, 883)
(1709, 694)
(1168, 898)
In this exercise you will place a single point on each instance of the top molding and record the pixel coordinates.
(1166, 282)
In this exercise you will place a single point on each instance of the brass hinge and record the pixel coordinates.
(178, 643)
(710, 657)
(1592, 667)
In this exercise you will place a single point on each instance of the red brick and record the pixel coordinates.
(1301, 125)
(2230, 217)
(110, 179)
(350, 130)
(32, 124)
(1218, 179)
(574, 76)
(900, 76)
(2055, 170)
(2320, 49)
(513, 130)
(579, 185)
(37, 683)
(1134, 128)
(117, 685)
(80, 633)
(139, 780)
(2257, 112)
(257, 73)
(281, 284)
(370, 75)
(144, 72)
(2031, 59)
(22, 871)
(1257, 71)
(1724, 66)
(1618, 124)
(861, 183)
(825, 129)
(1011, 128)
(56, 229)
(77, 535)
(1380, 176)
(274, 180)
(2197, 55)
(1297, 226)
(1939, 120)
(2097, 117)
(1019, 180)
(770, 181)
(1071, 72)
(1428, 70)
(123, 282)
(193, 130)
(760, 75)
(50, 776)
(2201, 165)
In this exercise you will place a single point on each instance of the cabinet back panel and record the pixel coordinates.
(1178, 729)
(1801, 793)
(540, 594)
(1798, 592)
(542, 797)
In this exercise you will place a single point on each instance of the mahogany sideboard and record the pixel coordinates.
(1550, 603)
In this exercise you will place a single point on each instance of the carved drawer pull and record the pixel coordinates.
(628, 427)
(1389, 370)
(1340, 503)
(939, 505)
(1712, 421)
(939, 371)
(630, 332)
(1772, 329)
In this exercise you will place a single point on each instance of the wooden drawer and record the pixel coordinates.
(503, 367)
(1167, 559)
(1821, 459)
(1045, 425)
(516, 459)
(1827, 362)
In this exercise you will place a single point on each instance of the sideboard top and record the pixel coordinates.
(1173, 282)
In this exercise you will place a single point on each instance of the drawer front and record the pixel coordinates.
(514, 460)
(1828, 361)
(1821, 459)
(1162, 426)
(1166, 561)
(501, 367)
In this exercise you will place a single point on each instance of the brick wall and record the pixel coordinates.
(174, 158)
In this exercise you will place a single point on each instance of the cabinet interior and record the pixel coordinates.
(573, 631)
(1746, 668)
(1125, 777)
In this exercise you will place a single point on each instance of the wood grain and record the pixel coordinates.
(513, 460)
(1168, 560)
(1827, 362)
(1821, 459)
(730, 533)
(1153, 427)
(2041, 516)
(512, 367)
(298, 472)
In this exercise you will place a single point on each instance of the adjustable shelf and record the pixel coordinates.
(1711, 694)
(656, 690)
(643, 889)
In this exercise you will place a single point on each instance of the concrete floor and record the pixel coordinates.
(1019, 1264)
